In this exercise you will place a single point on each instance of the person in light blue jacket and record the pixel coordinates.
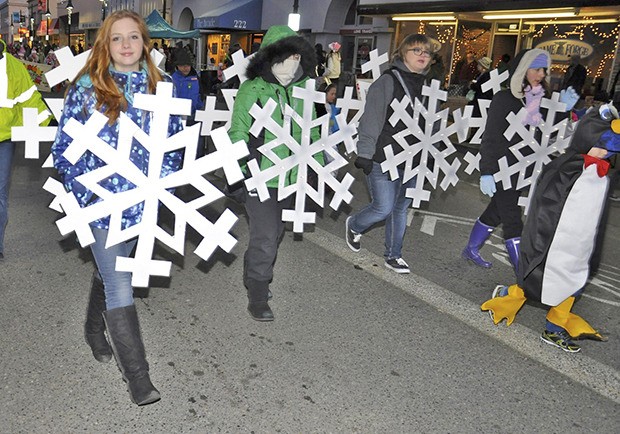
(118, 68)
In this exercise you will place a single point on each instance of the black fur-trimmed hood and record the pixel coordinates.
(279, 43)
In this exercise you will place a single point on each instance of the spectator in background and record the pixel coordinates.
(502, 66)
(332, 64)
(187, 84)
(467, 70)
(320, 60)
(575, 75)
(475, 88)
(438, 70)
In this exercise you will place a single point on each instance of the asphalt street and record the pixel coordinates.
(355, 348)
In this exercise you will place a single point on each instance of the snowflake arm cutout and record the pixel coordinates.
(301, 156)
(210, 114)
(531, 153)
(374, 64)
(32, 133)
(430, 141)
(151, 188)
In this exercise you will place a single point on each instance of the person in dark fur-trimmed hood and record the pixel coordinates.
(283, 62)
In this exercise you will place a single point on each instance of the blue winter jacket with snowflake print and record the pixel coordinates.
(80, 104)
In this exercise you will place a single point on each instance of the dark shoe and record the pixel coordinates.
(353, 239)
(561, 339)
(258, 296)
(397, 264)
(260, 311)
(124, 331)
(94, 327)
(479, 234)
(1, 256)
(512, 246)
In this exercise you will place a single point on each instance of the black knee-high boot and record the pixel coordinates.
(124, 331)
(94, 326)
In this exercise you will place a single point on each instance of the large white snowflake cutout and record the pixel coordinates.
(532, 155)
(150, 189)
(430, 142)
(211, 114)
(464, 117)
(301, 156)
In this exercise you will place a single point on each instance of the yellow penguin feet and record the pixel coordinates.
(577, 327)
(506, 306)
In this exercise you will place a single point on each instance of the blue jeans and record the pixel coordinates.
(7, 149)
(387, 202)
(118, 289)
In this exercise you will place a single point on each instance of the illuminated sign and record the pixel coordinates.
(561, 50)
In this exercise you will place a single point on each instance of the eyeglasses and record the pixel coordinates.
(420, 52)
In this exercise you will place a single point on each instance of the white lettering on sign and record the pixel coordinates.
(240, 24)
(561, 50)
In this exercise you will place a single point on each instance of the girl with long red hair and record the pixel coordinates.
(119, 67)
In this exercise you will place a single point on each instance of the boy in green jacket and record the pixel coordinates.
(283, 62)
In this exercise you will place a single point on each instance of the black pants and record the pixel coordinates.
(266, 232)
(504, 209)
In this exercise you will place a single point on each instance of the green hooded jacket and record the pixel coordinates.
(279, 43)
(16, 92)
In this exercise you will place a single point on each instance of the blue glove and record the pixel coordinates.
(569, 97)
(487, 185)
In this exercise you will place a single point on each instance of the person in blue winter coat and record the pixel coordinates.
(118, 68)
(186, 81)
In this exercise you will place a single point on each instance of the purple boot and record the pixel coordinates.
(479, 234)
(512, 246)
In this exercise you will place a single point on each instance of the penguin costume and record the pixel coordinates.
(561, 231)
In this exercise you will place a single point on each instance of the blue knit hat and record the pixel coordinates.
(540, 62)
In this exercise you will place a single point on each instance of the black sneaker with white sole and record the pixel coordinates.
(353, 239)
(397, 264)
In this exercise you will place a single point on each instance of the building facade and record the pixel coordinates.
(589, 27)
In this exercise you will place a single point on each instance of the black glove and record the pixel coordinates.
(364, 163)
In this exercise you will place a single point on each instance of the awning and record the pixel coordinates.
(159, 28)
(42, 29)
(235, 15)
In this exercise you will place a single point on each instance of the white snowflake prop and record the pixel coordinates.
(210, 114)
(347, 103)
(430, 142)
(32, 132)
(301, 156)
(151, 190)
(374, 64)
(531, 154)
(69, 66)
(238, 67)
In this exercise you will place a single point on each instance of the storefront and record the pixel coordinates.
(48, 30)
(237, 22)
(71, 34)
(590, 31)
